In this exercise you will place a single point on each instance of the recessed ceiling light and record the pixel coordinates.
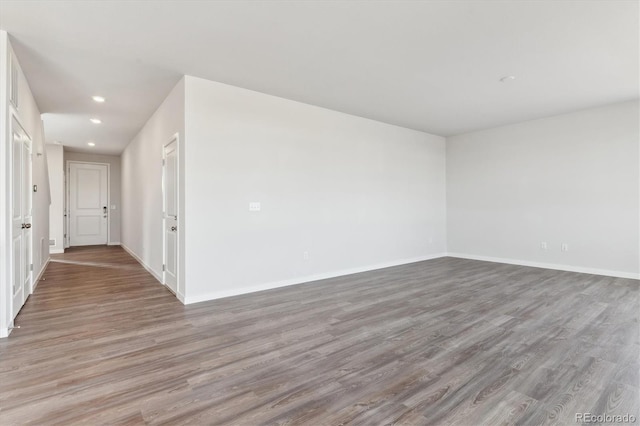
(95, 120)
(91, 144)
(98, 99)
(507, 78)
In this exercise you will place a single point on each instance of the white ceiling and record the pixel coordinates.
(431, 65)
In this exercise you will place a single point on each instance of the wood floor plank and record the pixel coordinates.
(440, 342)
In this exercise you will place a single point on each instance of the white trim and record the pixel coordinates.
(176, 138)
(5, 192)
(114, 243)
(276, 284)
(67, 184)
(555, 266)
(180, 297)
(301, 280)
(40, 274)
(14, 116)
(156, 275)
(4, 331)
(56, 251)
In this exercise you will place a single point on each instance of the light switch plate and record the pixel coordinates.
(254, 206)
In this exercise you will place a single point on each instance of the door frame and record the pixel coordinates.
(29, 289)
(67, 196)
(175, 138)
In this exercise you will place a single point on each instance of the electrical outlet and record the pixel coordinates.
(543, 245)
(305, 255)
(564, 247)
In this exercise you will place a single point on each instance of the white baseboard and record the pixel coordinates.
(40, 274)
(5, 331)
(555, 266)
(56, 251)
(276, 284)
(180, 297)
(156, 275)
(301, 280)
(114, 243)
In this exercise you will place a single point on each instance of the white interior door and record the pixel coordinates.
(170, 215)
(88, 204)
(20, 216)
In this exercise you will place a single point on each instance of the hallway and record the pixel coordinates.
(86, 340)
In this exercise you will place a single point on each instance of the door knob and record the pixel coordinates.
(174, 228)
(27, 225)
(24, 225)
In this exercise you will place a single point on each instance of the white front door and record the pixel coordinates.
(20, 215)
(88, 204)
(170, 215)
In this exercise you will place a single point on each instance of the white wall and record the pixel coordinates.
(29, 117)
(141, 232)
(566, 179)
(114, 187)
(55, 163)
(42, 198)
(354, 193)
(5, 194)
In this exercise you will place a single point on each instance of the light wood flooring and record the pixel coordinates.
(440, 342)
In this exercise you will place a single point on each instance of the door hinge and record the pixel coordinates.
(163, 162)
(163, 266)
(31, 267)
